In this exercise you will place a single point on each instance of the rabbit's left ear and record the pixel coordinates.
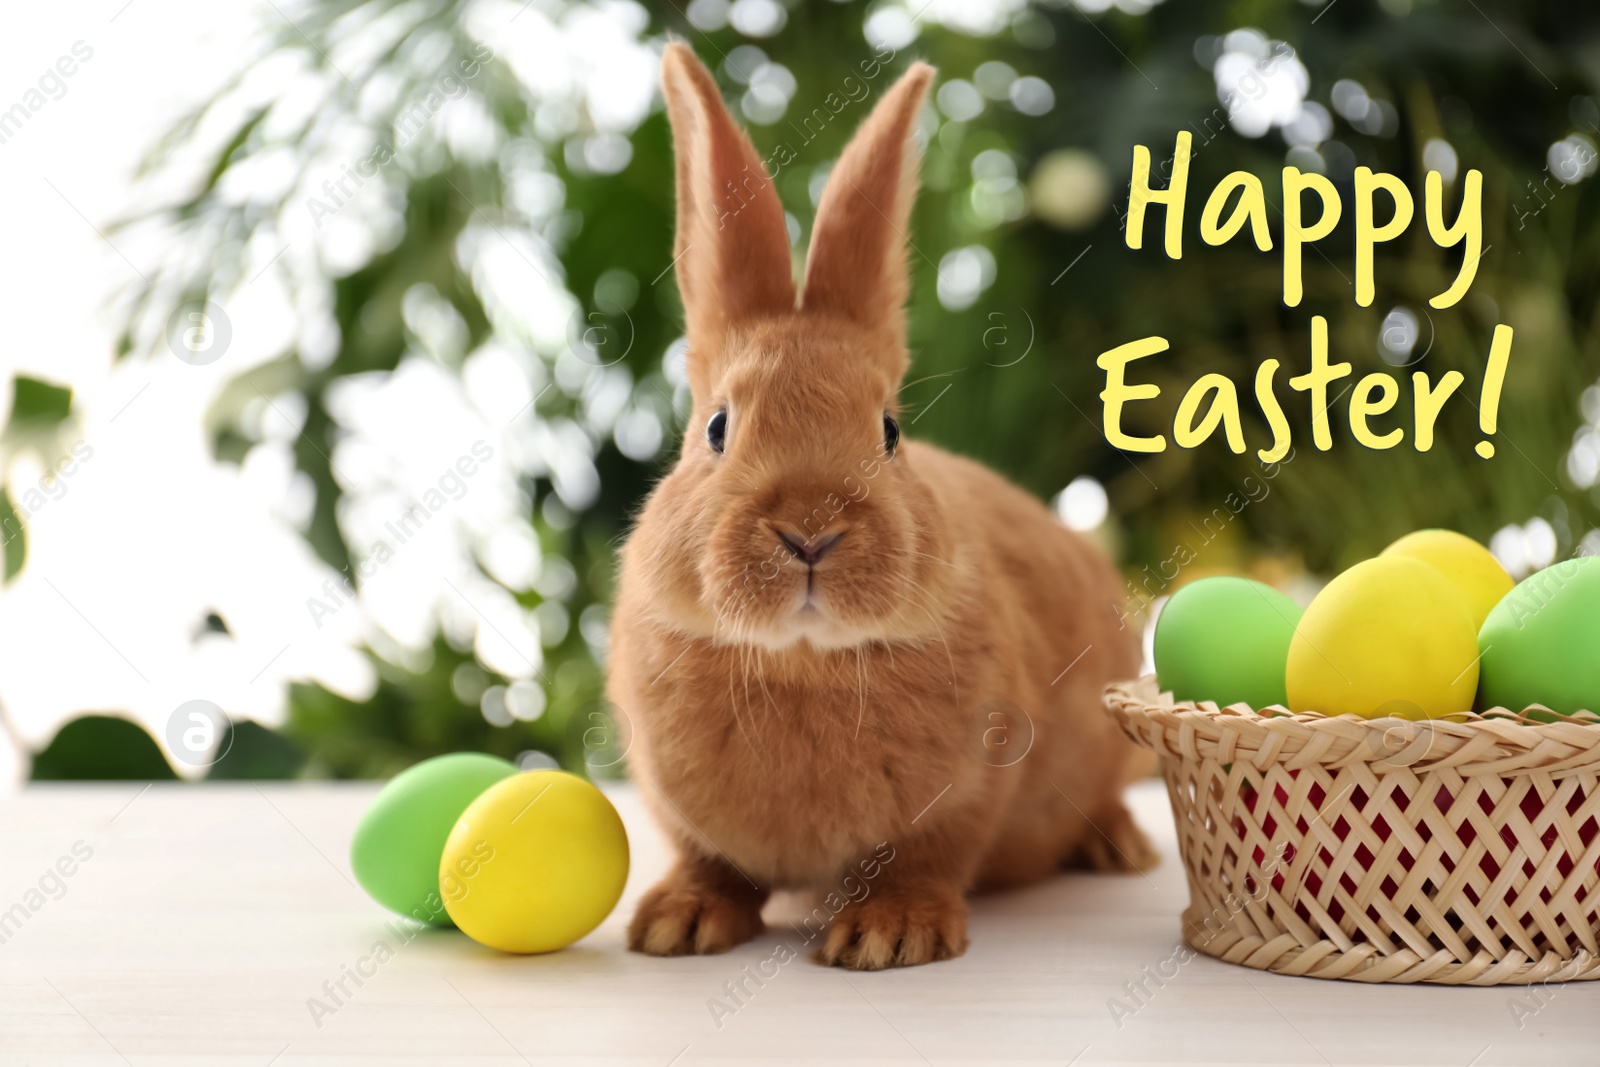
(856, 268)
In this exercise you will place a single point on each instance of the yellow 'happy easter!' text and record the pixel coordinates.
(1383, 209)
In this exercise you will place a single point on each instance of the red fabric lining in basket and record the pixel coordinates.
(1530, 806)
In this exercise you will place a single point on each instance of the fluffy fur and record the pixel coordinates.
(789, 717)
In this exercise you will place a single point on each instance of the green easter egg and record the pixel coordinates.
(397, 845)
(1541, 644)
(1226, 640)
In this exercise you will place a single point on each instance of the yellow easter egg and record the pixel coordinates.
(535, 863)
(1471, 568)
(1389, 637)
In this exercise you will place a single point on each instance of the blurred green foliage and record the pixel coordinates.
(36, 403)
(250, 750)
(102, 748)
(1500, 82)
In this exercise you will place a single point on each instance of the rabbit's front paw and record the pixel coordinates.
(680, 917)
(898, 927)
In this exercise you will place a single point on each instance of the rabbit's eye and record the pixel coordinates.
(891, 433)
(717, 431)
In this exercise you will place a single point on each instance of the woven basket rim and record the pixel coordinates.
(1495, 742)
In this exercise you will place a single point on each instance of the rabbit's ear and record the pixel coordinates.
(732, 247)
(856, 267)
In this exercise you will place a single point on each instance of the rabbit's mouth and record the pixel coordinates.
(812, 618)
(809, 620)
(812, 625)
(811, 615)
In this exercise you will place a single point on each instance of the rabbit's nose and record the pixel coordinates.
(809, 552)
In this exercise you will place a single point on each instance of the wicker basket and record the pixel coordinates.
(1458, 852)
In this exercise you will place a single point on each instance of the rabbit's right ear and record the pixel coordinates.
(732, 247)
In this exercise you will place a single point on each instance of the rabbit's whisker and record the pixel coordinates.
(761, 676)
(861, 670)
(928, 378)
(924, 601)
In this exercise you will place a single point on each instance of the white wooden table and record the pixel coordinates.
(206, 918)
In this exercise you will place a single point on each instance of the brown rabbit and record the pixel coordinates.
(815, 618)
